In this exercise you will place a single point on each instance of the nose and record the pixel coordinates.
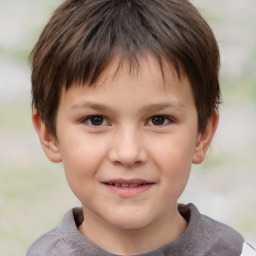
(128, 148)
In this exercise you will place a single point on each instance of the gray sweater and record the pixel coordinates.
(203, 237)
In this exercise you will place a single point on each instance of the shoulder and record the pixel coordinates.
(222, 231)
(58, 241)
(48, 243)
(248, 250)
(229, 238)
(226, 239)
(210, 236)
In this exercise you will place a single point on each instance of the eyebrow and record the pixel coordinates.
(162, 106)
(147, 108)
(90, 105)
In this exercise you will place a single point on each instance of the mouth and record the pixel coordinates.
(126, 185)
(128, 188)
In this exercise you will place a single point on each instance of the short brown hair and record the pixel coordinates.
(83, 35)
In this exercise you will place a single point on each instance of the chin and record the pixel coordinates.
(130, 221)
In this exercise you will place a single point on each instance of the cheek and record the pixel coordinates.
(174, 152)
(173, 157)
(80, 152)
(81, 162)
(175, 170)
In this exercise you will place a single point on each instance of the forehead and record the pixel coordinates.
(121, 84)
(141, 65)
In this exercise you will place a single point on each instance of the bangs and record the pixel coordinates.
(83, 37)
(117, 28)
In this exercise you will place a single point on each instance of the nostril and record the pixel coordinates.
(138, 162)
(127, 163)
(127, 152)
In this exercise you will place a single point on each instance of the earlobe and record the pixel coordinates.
(47, 140)
(204, 139)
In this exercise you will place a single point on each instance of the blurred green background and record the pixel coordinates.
(33, 192)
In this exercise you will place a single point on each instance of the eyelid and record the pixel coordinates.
(86, 120)
(167, 118)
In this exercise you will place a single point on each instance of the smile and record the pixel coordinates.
(126, 185)
(128, 188)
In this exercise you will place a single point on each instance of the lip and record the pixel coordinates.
(128, 187)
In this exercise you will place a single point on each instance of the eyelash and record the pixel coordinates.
(167, 120)
(88, 120)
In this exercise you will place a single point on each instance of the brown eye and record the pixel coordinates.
(96, 120)
(158, 120)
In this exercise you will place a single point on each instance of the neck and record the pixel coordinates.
(133, 241)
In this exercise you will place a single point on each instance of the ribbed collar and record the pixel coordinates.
(203, 237)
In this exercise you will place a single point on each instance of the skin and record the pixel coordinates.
(129, 126)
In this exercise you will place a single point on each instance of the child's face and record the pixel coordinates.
(127, 145)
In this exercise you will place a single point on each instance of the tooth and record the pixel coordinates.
(133, 185)
(124, 185)
(117, 184)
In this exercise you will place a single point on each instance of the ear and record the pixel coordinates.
(47, 140)
(205, 138)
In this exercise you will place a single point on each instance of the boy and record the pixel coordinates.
(125, 94)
